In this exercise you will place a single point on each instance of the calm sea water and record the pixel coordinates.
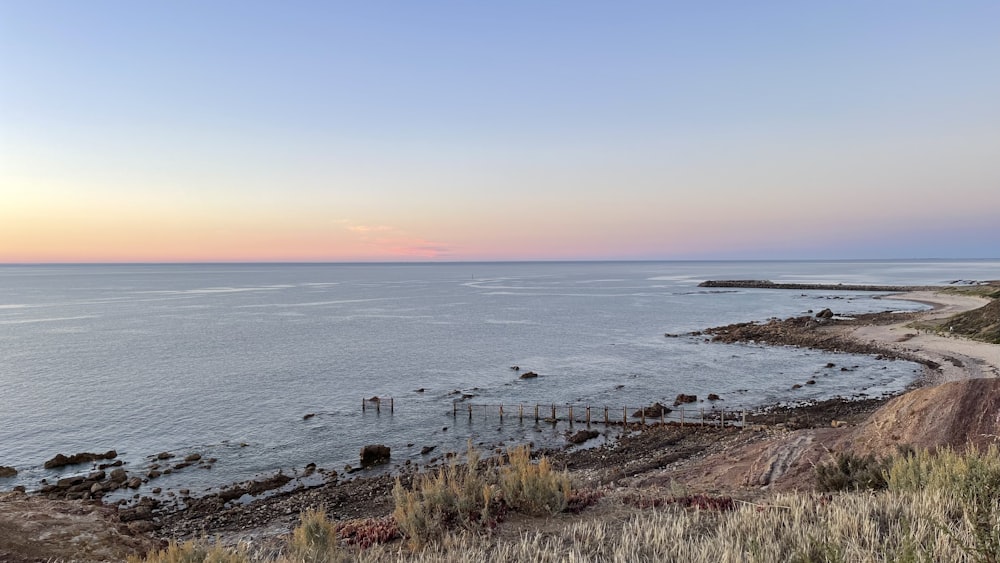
(206, 358)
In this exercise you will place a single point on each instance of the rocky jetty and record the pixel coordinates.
(767, 284)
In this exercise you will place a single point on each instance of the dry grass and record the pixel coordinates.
(456, 496)
(194, 552)
(938, 507)
(889, 526)
(533, 488)
(314, 540)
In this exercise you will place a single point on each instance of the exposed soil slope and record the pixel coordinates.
(37, 529)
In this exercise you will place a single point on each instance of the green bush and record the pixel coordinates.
(850, 472)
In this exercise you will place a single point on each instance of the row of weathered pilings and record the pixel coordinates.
(583, 414)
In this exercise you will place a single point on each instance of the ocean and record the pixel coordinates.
(227, 360)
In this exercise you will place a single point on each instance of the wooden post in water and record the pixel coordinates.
(392, 405)
(571, 415)
(454, 409)
(536, 413)
(362, 404)
(378, 405)
(607, 420)
(744, 421)
(470, 412)
(642, 416)
(553, 414)
(682, 416)
(501, 412)
(662, 422)
(588, 416)
(624, 416)
(520, 413)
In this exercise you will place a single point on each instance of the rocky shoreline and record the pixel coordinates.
(819, 332)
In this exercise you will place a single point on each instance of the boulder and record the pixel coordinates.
(192, 457)
(68, 482)
(61, 460)
(682, 398)
(140, 512)
(7, 471)
(825, 314)
(140, 527)
(374, 454)
(529, 375)
(652, 411)
(118, 475)
(426, 450)
(164, 455)
(582, 436)
(133, 483)
(714, 397)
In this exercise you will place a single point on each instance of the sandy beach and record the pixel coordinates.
(959, 358)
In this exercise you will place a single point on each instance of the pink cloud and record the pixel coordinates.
(387, 241)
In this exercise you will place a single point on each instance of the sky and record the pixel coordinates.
(517, 130)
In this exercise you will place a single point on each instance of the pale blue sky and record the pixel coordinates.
(474, 130)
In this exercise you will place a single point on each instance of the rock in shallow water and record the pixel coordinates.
(60, 460)
(582, 436)
(374, 454)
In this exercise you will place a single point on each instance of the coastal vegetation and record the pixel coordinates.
(924, 506)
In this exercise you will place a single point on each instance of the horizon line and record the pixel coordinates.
(456, 262)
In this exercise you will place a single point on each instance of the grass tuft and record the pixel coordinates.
(531, 488)
(456, 496)
(314, 540)
(192, 552)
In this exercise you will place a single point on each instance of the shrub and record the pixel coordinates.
(533, 488)
(850, 472)
(314, 540)
(369, 531)
(454, 496)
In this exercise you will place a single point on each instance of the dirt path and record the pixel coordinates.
(960, 358)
